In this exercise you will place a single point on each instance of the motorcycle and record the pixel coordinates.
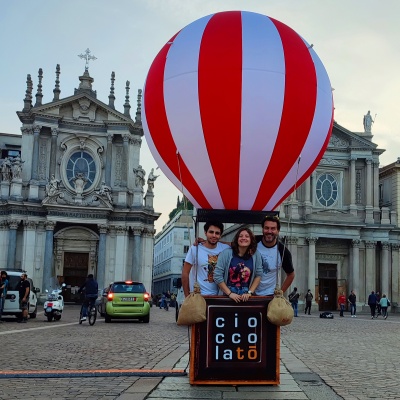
(54, 305)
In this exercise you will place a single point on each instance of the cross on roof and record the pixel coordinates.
(87, 56)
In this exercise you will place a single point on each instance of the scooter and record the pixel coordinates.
(54, 305)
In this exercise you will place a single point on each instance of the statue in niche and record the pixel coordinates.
(16, 167)
(6, 170)
(139, 176)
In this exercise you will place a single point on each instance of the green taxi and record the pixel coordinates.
(126, 300)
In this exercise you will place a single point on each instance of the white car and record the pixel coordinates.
(11, 305)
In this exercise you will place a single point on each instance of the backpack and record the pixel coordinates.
(326, 314)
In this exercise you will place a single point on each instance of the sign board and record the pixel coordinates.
(236, 344)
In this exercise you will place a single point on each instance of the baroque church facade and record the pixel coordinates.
(341, 234)
(74, 199)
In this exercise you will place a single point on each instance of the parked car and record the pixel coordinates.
(125, 300)
(100, 304)
(11, 304)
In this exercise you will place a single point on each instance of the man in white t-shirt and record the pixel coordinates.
(274, 253)
(206, 254)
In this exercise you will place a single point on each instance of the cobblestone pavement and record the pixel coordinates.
(357, 357)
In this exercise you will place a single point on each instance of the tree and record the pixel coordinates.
(185, 204)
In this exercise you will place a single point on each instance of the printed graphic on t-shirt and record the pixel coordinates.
(210, 267)
(239, 275)
(265, 264)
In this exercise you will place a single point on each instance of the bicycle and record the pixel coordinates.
(92, 313)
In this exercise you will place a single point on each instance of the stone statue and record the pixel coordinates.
(368, 121)
(52, 187)
(104, 191)
(150, 180)
(79, 182)
(139, 176)
(6, 169)
(16, 167)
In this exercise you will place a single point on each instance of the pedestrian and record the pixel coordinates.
(384, 303)
(372, 303)
(352, 301)
(23, 288)
(308, 298)
(239, 268)
(274, 253)
(378, 304)
(91, 289)
(3, 291)
(342, 303)
(165, 299)
(203, 256)
(294, 300)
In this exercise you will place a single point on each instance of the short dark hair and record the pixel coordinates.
(90, 276)
(272, 218)
(218, 224)
(4, 273)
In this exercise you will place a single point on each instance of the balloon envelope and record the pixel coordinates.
(237, 111)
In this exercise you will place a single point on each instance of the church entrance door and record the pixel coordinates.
(75, 273)
(327, 287)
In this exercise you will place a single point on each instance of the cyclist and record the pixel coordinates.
(91, 290)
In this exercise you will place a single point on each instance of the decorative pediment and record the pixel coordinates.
(338, 142)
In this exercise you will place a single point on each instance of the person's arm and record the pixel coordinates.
(25, 298)
(185, 278)
(288, 281)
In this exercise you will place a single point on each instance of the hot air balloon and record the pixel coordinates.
(237, 111)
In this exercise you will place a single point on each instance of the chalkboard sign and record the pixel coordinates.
(236, 344)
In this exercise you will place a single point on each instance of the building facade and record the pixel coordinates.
(74, 200)
(170, 249)
(340, 233)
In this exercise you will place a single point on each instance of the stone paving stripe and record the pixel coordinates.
(91, 373)
(38, 328)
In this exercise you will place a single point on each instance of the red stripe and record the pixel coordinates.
(220, 99)
(312, 167)
(297, 114)
(159, 128)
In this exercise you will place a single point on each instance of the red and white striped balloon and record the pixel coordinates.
(230, 105)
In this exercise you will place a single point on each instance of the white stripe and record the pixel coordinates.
(182, 107)
(159, 160)
(38, 328)
(262, 101)
(317, 135)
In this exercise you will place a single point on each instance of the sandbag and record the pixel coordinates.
(193, 309)
(280, 311)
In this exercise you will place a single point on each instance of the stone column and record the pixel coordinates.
(369, 212)
(48, 256)
(101, 257)
(376, 185)
(12, 243)
(120, 253)
(370, 269)
(353, 206)
(385, 269)
(311, 265)
(136, 256)
(108, 159)
(53, 151)
(3, 242)
(35, 159)
(28, 259)
(125, 172)
(356, 267)
(395, 273)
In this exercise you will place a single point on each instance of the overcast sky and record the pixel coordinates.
(357, 41)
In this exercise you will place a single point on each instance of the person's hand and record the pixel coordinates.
(198, 241)
(246, 296)
(237, 298)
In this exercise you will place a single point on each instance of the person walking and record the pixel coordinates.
(372, 303)
(308, 298)
(3, 290)
(294, 300)
(24, 288)
(352, 301)
(384, 303)
(342, 303)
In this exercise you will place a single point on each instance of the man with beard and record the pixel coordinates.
(274, 253)
(24, 288)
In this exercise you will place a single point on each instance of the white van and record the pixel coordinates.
(11, 305)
